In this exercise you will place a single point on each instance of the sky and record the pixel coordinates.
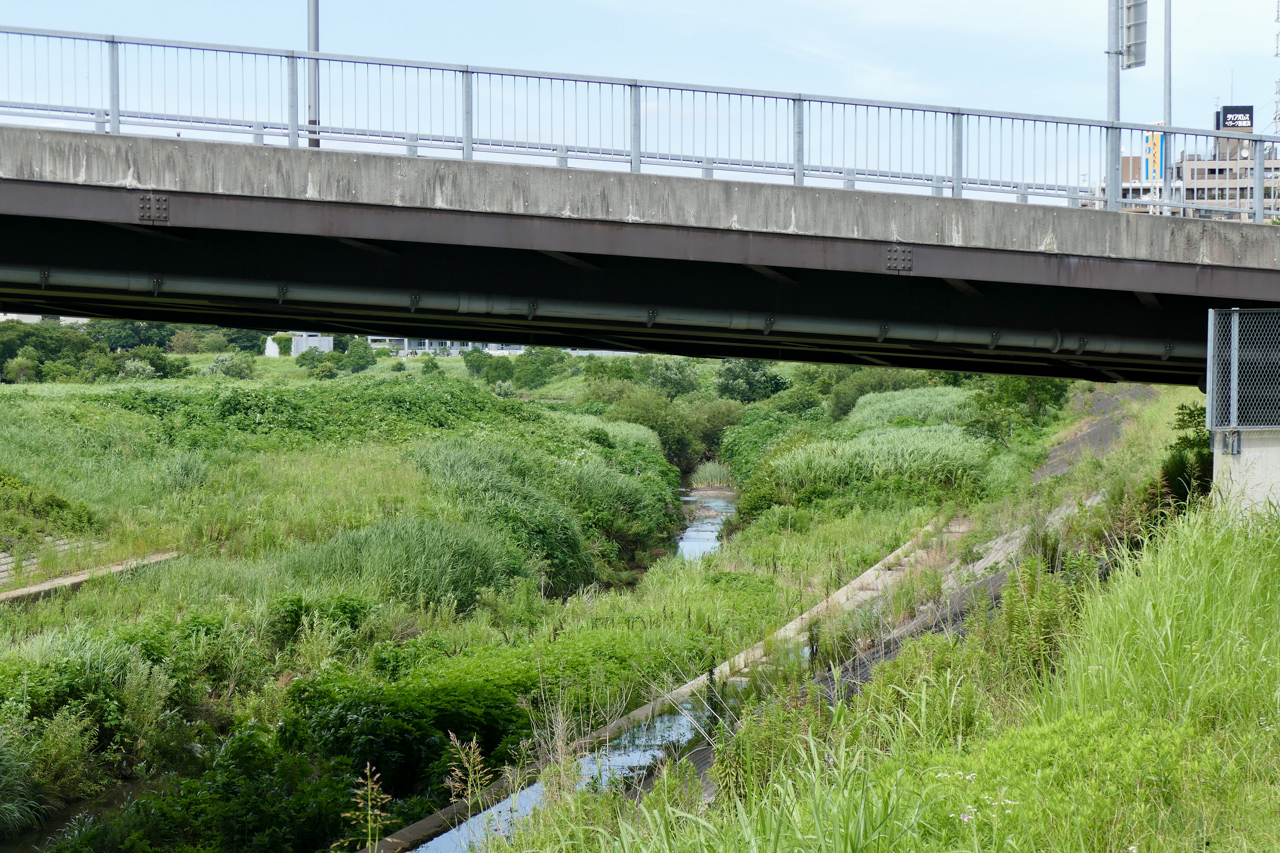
(1020, 55)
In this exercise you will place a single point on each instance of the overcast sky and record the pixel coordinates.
(1024, 55)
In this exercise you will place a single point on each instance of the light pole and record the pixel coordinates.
(313, 69)
(1113, 104)
(1167, 191)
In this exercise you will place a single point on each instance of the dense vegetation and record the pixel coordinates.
(389, 562)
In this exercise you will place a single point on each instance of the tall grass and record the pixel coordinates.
(712, 474)
(916, 406)
(939, 455)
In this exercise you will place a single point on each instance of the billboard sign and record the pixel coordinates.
(1153, 156)
(1239, 119)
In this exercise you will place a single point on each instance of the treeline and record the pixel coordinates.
(106, 350)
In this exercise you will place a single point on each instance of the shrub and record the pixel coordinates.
(324, 370)
(18, 370)
(674, 376)
(846, 393)
(748, 380)
(233, 366)
(360, 356)
(476, 360)
(309, 358)
(135, 369)
(676, 429)
(499, 369)
(502, 487)
(397, 366)
(536, 366)
(430, 365)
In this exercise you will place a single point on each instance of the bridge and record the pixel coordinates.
(185, 182)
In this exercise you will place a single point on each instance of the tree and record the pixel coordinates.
(214, 342)
(674, 376)
(360, 355)
(676, 428)
(476, 360)
(498, 369)
(537, 366)
(748, 380)
(21, 369)
(309, 358)
(129, 334)
(232, 365)
(184, 341)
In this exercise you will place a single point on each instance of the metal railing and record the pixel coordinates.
(149, 86)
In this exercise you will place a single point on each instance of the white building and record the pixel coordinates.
(302, 341)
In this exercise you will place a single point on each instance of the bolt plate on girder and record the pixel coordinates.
(898, 258)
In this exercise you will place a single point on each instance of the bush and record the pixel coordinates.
(134, 369)
(674, 376)
(324, 370)
(748, 380)
(360, 356)
(846, 393)
(233, 366)
(476, 360)
(498, 369)
(430, 365)
(676, 428)
(310, 358)
(536, 366)
(397, 366)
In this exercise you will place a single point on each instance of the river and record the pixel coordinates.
(631, 754)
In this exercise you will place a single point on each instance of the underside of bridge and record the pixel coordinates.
(55, 250)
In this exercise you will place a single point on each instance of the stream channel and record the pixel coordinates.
(631, 754)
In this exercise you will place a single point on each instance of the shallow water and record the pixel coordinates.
(700, 536)
(633, 751)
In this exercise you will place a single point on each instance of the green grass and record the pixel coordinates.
(913, 407)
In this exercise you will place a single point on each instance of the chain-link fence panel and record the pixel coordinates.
(1243, 384)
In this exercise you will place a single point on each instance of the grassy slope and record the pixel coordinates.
(1157, 729)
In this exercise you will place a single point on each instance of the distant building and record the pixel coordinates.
(23, 318)
(302, 341)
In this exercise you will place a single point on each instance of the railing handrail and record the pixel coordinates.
(642, 83)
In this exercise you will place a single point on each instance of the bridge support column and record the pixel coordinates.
(1246, 467)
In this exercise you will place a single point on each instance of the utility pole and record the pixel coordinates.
(1113, 104)
(313, 76)
(1168, 63)
(1167, 191)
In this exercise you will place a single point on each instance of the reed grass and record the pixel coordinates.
(712, 474)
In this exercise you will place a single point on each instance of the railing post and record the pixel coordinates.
(1113, 168)
(99, 121)
(1259, 182)
(849, 182)
(707, 170)
(957, 155)
(1022, 193)
(467, 115)
(113, 85)
(562, 155)
(258, 138)
(798, 106)
(292, 63)
(411, 144)
(635, 127)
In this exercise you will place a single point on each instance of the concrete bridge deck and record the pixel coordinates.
(275, 237)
